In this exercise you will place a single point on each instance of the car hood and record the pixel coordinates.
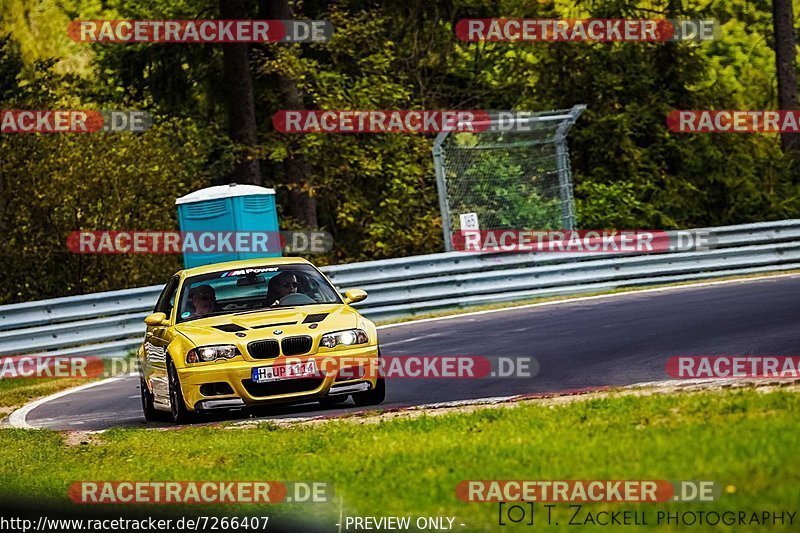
(245, 327)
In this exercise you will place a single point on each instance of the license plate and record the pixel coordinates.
(302, 369)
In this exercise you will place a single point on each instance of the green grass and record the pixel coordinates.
(744, 438)
(18, 391)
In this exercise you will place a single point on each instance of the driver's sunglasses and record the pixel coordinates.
(292, 284)
(202, 298)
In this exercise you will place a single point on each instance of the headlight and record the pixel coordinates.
(204, 354)
(347, 337)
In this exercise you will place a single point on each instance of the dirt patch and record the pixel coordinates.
(82, 438)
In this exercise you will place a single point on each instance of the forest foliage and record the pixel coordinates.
(375, 193)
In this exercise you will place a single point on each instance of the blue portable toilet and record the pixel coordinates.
(229, 208)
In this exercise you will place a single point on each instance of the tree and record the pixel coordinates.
(239, 94)
(302, 202)
(785, 61)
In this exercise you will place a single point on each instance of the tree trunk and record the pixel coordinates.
(785, 61)
(239, 94)
(302, 203)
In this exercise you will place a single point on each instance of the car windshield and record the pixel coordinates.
(254, 288)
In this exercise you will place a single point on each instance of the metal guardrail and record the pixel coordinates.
(110, 323)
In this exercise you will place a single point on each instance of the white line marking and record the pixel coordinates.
(410, 339)
(18, 419)
(589, 298)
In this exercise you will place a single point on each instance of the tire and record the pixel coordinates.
(330, 401)
(374, 396)
(151, 414)
(371, 397)
(180, 414)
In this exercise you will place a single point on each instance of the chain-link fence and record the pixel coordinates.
(513, 175)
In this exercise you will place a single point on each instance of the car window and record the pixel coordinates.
(167, 299)
(254, 288)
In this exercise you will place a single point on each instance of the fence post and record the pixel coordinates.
(441, 187)
(564, 172)
(565, 189)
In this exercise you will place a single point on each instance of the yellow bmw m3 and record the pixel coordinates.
(251, 332)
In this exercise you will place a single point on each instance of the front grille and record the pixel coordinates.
(296, 345)
(286, 386)
(266, 349)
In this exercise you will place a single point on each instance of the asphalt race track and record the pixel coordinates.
(617, 340)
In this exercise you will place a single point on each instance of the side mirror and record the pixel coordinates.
(354, 295)
(156, 319)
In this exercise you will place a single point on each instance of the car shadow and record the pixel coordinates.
(277, 410)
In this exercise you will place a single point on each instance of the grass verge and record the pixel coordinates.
(745, 439)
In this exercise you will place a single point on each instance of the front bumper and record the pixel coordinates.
(238, 374)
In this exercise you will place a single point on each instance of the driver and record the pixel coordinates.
(202, 300)
(281, 285)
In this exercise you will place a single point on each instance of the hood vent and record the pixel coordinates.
(230, 328)
(316, 317)
(276, 324)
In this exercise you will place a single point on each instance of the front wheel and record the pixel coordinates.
(180, 414)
